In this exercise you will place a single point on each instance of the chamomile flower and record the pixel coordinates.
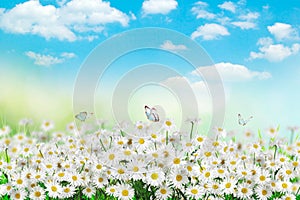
(18, 194)
(89, 191)
(19, 181)
(284, 186)
(228, 185)
(263, 177)
(243, 191)
(272, 132)
(75, 179)
(155, 176)
(5, 130)
(288, 196)
(6, 189)
(37, 193)
(100, 180)
(169, 125)
(47, 125)
(125, 192)
(111, 157)
(163, 192)
(136, 168)
(195, 192)
(263, 192)
(54, 189)
(67, 191)
(178, 178)
(112, 190)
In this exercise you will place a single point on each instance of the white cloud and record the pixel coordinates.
(249, 16)
(210, 31)
(168, 45)
(244, 24)
(200, 12)
(233, 72)
(228, 5)
(43, 60)
(48, 60)
(159, 6)
(273, 52)
(65, 22)
(67, 55)
(283, 31)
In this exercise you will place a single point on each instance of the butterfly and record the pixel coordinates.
(82, 116)
(242, 121)
(151, 114)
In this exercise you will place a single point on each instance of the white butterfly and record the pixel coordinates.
(82, 116)
(242, 121)
(151, 114)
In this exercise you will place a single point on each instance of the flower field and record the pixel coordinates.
(143, 161)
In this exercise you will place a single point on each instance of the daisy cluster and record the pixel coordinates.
(143, 161)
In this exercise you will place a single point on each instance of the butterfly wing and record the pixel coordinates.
(81, 116)
(151, 114)
(241, 120)
(154, 115)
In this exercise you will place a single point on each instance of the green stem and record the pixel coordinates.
(275, 152)
(102, 145)
(6, 154)
(167, 137)
(191, 133)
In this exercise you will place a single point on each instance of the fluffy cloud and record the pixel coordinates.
(244, 24)
(210, 31)
(159, 6)
(233, 72)
(48, 60)
(283, 31)
(249, 16)
(168, 45)
(63, 23)
(199, 10)
(273, 52)
(228, 5)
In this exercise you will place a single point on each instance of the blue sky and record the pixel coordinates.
(255, 46)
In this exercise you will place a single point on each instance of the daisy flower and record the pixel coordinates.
(272, 132)
(112, 190)
(75, 179)
(6, 189)
(243, 191)
(111, 157)
(100, 180)
(125, 192)
(155, 176)
(4, 131)
(18, 181)
(19, 194)
(163, 192)
(54, 189)
(168, 125)
(263, 177)
(67, 191)
(120, 173)
(263, 192)
(37, 193)
(195, 192)
(228, 185)
(178, 178)
(136, 168)
(47, 125)
(89, 191)
(284, 186)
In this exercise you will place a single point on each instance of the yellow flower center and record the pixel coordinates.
(53, 188)
(244, 190)
(176, 161)
(111, 156)
(37, 194)
(74, 178)
(178, 177)
(154, 176)
(100, 179)
(168, 123)
(141, 141)
(227, 185)
(163, 191)
(125, 193)
(264, 192)
(194, 191)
